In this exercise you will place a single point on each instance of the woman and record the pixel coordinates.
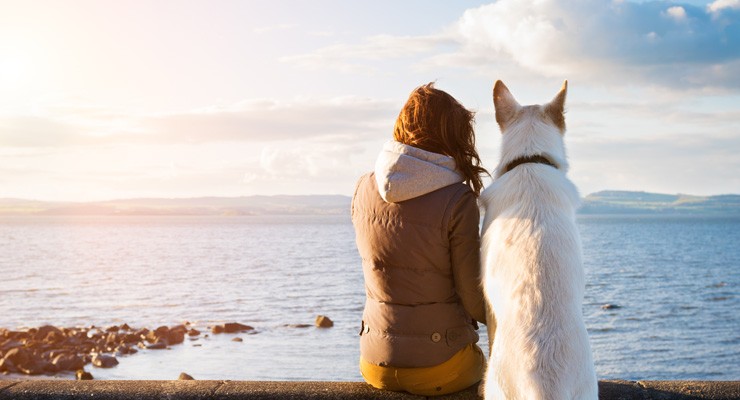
(416, 223)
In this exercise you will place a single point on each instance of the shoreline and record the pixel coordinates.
(50, 351)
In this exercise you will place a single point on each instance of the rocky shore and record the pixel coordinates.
(51, 350)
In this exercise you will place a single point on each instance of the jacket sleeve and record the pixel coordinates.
(465, 255)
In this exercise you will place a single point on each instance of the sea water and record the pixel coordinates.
(671, 283)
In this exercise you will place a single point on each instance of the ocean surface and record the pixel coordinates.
(672, 282)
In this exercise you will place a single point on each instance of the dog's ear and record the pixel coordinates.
(505, 104)
(555, 109)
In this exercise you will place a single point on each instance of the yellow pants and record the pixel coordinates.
(463, 370)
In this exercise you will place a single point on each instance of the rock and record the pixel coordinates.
(69, 332)
(175, 337)
(300, 326)
(193, 332)
(129, 338)
(162, 330)
(32, 368)
(125, 349)
(113, 338)
(27, 362)
(185, 377)
(95, 334)
(34, 345)
(217, 329)
(9, 344)
(234, 327)
(237, 339)
(141, 333)
(610, 307)
(154, 337)
(52, 354)
(68, 362)
(17, 356)
(48, 349)
(104, 361)
(324, 322)
(54, 337)
(47, 366)
(7, 366)
(180, 328)
(82, 375)
(44, 331)
(160, 345)
(85, 347)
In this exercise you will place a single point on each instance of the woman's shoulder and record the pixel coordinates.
(365, 185)
(364, 180)
(456, 192)
(460, 200)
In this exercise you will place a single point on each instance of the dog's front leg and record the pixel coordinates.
(491, 329)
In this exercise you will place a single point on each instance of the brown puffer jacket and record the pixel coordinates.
(421, 264)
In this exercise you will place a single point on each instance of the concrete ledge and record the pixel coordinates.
(146, 390)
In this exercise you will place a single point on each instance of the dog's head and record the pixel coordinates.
(528, 131)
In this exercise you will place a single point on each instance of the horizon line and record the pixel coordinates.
(10, 198)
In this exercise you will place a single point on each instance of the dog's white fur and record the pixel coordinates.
(531, 254)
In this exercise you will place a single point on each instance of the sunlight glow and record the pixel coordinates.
(263, 98)
(12, 73)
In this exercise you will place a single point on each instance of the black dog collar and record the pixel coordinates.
(526, 160)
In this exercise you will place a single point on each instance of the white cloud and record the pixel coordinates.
(597, 41)
(310, 160)
(350, 58)
(678, 13)
(287, 162)
(247, 121)
(600, 38)
(720, 5)
(351, 117)
(532, 35)
(305, 145)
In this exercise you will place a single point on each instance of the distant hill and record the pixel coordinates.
(605, 202)
(624, 202)
(249, 205)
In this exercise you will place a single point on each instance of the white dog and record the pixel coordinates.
(531, 254)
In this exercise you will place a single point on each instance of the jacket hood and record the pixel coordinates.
(404, 172)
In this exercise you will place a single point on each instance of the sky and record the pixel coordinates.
(125, 99)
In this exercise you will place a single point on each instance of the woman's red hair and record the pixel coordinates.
(432, 120)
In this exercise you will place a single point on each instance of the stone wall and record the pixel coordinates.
(145, 390)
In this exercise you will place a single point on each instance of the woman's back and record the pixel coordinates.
(411, 252)
(416, 222)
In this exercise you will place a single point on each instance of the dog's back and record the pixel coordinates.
(534, 279)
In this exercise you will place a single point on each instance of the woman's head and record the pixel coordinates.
(432, 120)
